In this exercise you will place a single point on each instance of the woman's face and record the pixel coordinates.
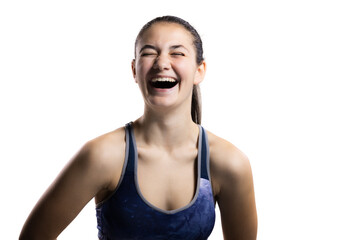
(165, 67)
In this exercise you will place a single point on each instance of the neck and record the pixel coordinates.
(167, 129)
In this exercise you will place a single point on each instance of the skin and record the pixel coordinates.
(166, 138)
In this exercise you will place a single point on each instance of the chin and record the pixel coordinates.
(161, 103)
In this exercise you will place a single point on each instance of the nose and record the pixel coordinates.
(162, 63)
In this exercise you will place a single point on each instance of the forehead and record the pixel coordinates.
(164, 33)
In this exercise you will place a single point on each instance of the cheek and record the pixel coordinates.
(141, 68)
(183, 67)
(186, 71)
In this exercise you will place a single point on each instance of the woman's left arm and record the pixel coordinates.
(236, 196)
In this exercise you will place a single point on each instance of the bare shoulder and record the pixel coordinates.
(228, 163)
(106, 152)
(106, 147)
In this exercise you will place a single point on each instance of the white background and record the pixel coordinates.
(282, 85)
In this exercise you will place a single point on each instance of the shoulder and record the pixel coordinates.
(228, 164)
(106, 145)
(226, 157)
(104, 154)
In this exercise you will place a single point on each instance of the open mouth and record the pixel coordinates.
(163, 83)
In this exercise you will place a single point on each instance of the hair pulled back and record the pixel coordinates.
(196, 97)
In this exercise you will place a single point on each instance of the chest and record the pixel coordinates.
(167, 180)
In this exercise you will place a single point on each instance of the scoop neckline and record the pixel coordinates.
(138, 190)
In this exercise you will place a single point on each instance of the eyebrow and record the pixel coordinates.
(178, 46)
(146, 47)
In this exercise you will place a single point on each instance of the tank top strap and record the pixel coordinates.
(131, 149)
(204, 154)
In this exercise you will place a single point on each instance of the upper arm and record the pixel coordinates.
(75, 186)
(236, 196)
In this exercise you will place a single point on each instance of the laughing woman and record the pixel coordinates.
(160, 176)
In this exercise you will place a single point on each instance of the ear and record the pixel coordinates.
(133, 69)
(200, 73)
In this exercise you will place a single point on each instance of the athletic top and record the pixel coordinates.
(126, 214)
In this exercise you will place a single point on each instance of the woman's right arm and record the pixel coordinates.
(85, 175)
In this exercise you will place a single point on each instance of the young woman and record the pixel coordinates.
(160, 176)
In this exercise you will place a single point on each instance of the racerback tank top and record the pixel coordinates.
(126, 214)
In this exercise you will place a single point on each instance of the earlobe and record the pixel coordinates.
(200, 73)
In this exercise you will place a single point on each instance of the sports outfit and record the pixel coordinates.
(126, 214)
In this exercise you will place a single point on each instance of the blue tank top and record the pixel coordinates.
(126, 214)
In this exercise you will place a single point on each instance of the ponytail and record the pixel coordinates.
(196, 105)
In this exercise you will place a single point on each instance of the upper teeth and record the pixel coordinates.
(163, 80)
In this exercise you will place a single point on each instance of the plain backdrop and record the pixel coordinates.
(282, 85)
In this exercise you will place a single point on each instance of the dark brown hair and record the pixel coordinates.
(196, 97)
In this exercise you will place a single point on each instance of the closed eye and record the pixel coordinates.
(147, 54)
(177, 54)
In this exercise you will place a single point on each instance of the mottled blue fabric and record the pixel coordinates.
(127, 215)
